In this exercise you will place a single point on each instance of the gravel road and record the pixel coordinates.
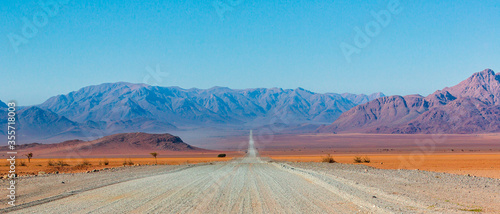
(256, 185)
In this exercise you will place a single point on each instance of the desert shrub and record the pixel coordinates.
(61, 163)
(104, 162)
(221, 155)
(86, 163)
(358, 159)
(22, 163)
(366, 159)
(83, 165)
(128, 162)
(328, 159)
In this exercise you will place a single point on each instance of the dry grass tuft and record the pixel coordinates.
(328, 159)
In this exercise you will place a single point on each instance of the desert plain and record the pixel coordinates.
(275, 173)
(464, 154)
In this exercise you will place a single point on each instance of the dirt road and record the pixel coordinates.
(254, 185)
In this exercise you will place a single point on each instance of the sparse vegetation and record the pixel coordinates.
(22, 163)
(473, 210)
(366, 159)
(29, 156)
(358, 159)
(328, 159)
(221, 155)
(104, 162)
(59, 163)
(83, 165)
(154, 154)
(128, 162)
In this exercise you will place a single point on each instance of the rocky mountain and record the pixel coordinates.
(111, 108)
(192, 107)
(119, 144)
(361, 98)
(34, 124)
(472, 106)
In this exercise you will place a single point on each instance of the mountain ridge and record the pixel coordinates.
(214, 105)
(110, 108)
(445, 111)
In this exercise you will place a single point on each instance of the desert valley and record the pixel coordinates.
(124, 134)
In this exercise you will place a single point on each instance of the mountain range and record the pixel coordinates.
(110, 108)
(472, 106)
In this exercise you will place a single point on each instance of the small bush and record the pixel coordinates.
(128, 162)
(83, 165)
(221, 155)
(61, 163)
(86, 163)
(104, 162)
(358, 159)
(328, 159)
(366, 160)
(22, 163)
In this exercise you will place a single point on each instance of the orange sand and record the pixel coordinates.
(485, 164)
(38, 165)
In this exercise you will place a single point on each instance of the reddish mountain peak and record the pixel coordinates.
(472, 106)
(484, 86)
(486, 72)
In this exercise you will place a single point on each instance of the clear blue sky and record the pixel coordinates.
(259, 43)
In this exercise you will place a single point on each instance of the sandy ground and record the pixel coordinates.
(258, 185)
(364, 143)
(37, 166)
(484, 164)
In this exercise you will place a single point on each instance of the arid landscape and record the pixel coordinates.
(255, 184)
(234, 106)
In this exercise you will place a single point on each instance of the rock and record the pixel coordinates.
(374, 196)
(62, 182)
